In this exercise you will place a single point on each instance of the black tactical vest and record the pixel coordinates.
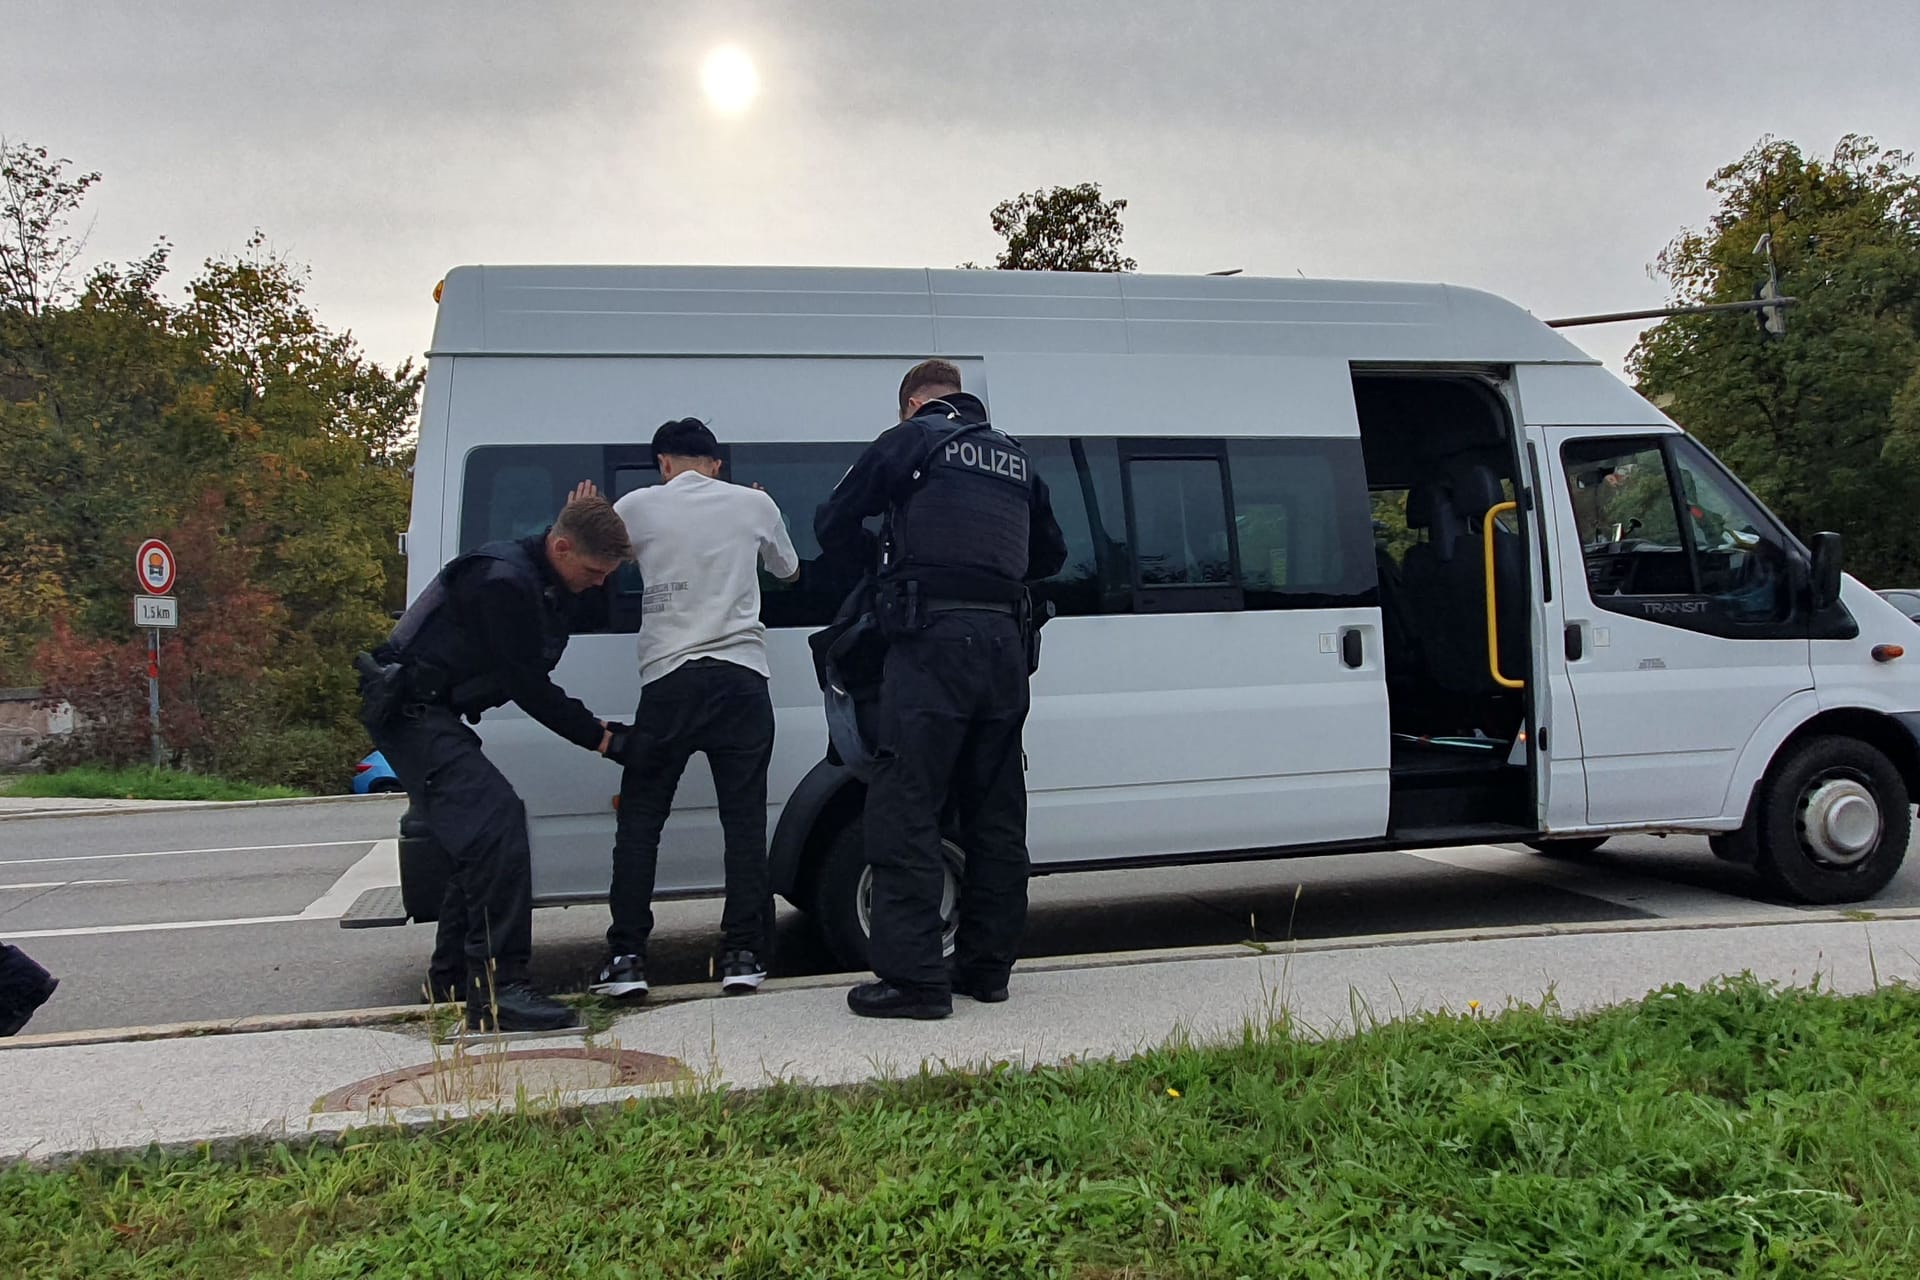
(971, 510)
(445, 649)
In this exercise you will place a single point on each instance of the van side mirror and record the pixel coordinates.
(1826, 570)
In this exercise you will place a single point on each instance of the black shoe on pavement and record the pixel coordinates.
(884, 1000)
(977, 989)
(741, 973)
(621, 976)
(518, 1007)
(25, 986)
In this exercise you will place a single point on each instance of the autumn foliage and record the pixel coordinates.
(265, 449)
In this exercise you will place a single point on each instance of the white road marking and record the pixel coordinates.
(1609, 884)
(94, 930)
(177, 853)
(379, 868)
(59, 884)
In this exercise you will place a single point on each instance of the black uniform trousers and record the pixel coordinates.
(722, 710)
(486, 918)
(953, 702)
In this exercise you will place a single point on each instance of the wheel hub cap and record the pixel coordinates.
(1842, 822)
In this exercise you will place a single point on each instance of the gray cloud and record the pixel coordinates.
(1545, 150)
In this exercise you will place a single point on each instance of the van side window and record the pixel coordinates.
(1259, 524)
(1301, 514)
(1083, 483)
(798, 477)
(1667, 536)
(512, 491)
(1184, 555)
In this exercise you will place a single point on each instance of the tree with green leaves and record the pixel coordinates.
(1061, 229)
(265, 447)
(1823, 421)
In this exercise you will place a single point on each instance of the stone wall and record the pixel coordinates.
(24, 724)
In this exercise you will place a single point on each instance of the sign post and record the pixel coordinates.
(155, 570)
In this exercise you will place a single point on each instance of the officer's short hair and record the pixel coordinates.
(592, 526)
(685, 438)
(928, 373)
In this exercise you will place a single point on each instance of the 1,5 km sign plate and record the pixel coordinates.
(156, 611)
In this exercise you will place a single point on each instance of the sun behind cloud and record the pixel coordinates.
(730, 80)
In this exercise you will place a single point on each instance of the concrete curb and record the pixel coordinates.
(661, 997)
(183, 806)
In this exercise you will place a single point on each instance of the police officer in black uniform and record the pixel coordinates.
(489, 630)
(968, 523)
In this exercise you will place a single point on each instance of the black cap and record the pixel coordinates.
(685, 438)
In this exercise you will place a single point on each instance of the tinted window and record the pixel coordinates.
(1180, 522)
(1083, 483)
(515, 490)
(1302, 523)
(1295, 535)
(798, 477)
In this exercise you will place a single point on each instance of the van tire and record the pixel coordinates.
(834, 904)
(1808, 821)
(1570, 847)
(840, 878)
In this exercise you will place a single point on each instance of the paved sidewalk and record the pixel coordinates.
(68, 1099)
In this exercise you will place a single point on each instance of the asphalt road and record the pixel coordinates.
(166, 917)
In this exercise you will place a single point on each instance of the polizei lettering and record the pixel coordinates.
(992, 460)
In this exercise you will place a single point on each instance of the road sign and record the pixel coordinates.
(156, 611)
(154, 567)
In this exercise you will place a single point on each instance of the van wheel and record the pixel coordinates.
(1832, 822)
(1570, 847)
(842, 902)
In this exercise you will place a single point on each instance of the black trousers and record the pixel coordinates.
(953, 702)
(486, 918)
(722, 710)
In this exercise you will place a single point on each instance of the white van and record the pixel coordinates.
(1352, 566)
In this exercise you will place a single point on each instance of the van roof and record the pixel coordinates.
(913, 312)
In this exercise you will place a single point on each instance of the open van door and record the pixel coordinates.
(1560, 784)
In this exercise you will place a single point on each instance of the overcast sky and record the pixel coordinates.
(1545, 151)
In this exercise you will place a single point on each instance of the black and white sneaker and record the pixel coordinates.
(741, 973)
(622, 976)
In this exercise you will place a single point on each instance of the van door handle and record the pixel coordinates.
(1576, 642)
(1351, 652)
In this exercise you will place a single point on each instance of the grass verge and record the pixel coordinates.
(147, 783)
(1737, 1131)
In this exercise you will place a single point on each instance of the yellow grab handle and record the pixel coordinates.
(1493, 625)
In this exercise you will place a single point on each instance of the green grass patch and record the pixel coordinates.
(1738, 1131)
(148, 783)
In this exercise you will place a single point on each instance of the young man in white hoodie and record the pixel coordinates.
(699, 542)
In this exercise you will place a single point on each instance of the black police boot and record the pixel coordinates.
(24, 987)
(980, 989)
(884, 1000)
(516, 1006)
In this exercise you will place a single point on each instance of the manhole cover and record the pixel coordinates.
(531, 1073)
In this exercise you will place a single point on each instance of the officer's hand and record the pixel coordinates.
(613, 744)
(585, 489)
